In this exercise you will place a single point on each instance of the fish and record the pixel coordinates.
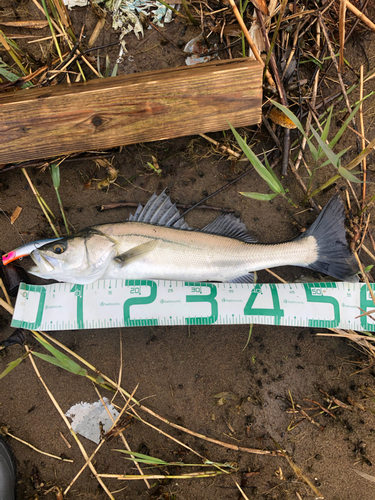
(156, 243)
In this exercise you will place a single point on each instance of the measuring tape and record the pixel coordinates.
(119, 303)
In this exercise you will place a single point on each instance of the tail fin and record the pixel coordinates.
(334, 255)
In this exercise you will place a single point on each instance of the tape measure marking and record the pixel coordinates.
(119, 303)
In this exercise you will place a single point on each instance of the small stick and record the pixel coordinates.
(360, 15)
(65, 440)
(250, 41)
(276, 275)
(37, 449)
(281, 91)
(121, 435)
(342, 32)
(364, 162)
(120, 204)
(221, 146)
(3, 287)
(163, 35)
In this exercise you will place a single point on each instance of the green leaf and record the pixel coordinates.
(65, 362)
(260, 196)
(55, 172)
(348, 175)
(327, 126)
(368, 268)
(71, 367)
(10, 367)
(298, 124)
(344, 125)
(333, 158)
(257, 164)
(144, 458)
(282, 190)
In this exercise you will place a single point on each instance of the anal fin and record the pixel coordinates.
(246, 278)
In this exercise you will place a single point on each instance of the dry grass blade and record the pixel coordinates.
(242, 491)
(360, 15)
(342, 32)
(366, 476)
(25, 24)
(37, 449)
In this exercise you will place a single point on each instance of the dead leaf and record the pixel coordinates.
(25, 24)
(15, 215)
(278, 117)
(261, 5)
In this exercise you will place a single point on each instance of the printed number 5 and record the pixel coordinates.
(310, 289)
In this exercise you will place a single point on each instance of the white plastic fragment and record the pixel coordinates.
(75, 3)
(89, 418)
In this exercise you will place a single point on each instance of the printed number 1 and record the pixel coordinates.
(276, 312)
(78, 292)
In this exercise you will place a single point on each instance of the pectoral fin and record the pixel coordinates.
(136, 252)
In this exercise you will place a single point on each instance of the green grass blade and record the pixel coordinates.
(348, 175)
(268, 166)
(11, 367)
(64, 360)
(344, 126)
(146, 459)
(55, 173)
(257, 164)
(327, 126)
(260, 196)
(71, 367)
(333, 158)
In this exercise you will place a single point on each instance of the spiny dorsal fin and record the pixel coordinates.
(228, 225)
(161, 211)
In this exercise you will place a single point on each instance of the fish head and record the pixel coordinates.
(82, 258)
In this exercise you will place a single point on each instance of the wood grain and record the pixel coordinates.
(104, 113)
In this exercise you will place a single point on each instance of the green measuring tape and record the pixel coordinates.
(119, 303)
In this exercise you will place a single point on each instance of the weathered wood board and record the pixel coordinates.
(104, 113)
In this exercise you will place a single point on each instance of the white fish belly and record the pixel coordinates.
(194, 256)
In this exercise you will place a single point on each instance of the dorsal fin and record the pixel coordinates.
(161, 211)
(228, 225)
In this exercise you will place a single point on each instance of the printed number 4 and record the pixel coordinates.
(276, 312)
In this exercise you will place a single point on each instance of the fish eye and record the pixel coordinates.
(58, 248)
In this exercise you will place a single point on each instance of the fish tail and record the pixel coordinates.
(334, 256)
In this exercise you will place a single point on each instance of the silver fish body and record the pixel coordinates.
(157, 244)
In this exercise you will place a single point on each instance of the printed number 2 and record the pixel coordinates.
(140, 300)
(78, 292)
(322, 323)
(210, 298)
(276, 312)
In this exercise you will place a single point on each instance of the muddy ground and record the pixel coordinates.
(179, 370)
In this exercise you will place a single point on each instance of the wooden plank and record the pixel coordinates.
(104, 113)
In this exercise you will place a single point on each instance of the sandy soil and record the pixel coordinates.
(179, 370)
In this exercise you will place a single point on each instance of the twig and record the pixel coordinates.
(37, 449)
(221, 146)
(360, 15)
(281, 91)
(121, 204)
(364, 162)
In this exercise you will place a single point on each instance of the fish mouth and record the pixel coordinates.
(42, 264)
